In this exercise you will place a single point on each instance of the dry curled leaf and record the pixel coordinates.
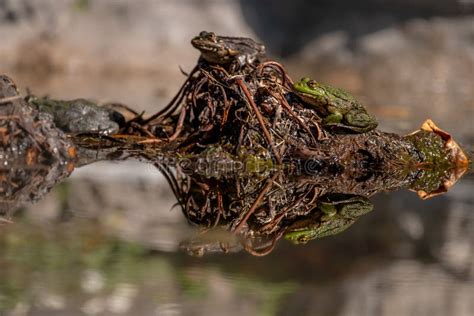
(459, 159)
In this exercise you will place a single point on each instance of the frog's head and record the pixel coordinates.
(303, 234)
(212, 47)
(311, 92)
(307, 86)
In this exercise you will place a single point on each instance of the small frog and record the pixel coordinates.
(79, 116)
(338, 213)
(340, 110)
(224, 49)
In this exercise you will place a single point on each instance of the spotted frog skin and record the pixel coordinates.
(224, 49)
(78, 116)
(336, 214)
(340, 110)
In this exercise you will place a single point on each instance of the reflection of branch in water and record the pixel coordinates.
(168, 174)
(256, 203)
(264, 212)
(299, 180)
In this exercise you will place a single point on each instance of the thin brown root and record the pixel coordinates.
(298, 120)
(174, 103)
(142, 129)
(179, 126)
(257, 202)
(260, 119)
(287, 82)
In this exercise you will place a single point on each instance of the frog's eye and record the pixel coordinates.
(212, 36)
(209, 35)
(312, 84)
(303, 239)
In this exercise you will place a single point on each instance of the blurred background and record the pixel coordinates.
(105, 242)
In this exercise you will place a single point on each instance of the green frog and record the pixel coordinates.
(79, 116)
(225, 49)
(340, 110)
(336, 214)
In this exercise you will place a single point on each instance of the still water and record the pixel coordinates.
(122, 257)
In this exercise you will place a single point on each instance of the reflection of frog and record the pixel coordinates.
(338, 213)
(79, 116)
(339, 109)
(224, 49)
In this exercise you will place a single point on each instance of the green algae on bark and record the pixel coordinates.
(443, 161)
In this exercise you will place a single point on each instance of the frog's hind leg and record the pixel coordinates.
(334, 118)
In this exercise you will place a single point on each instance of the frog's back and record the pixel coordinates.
(334, 226)
(244, 45)
(339, 93)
